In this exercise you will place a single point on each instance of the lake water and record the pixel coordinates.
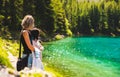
(84, 56)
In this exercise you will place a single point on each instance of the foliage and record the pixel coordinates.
(53, 72)
(3, 54)
(32, 74)
(69, 33)
(58, 37)
(87, 17)
(12, 46)
(48, 17)
(61, 22)
(44, 15)
(92, 17)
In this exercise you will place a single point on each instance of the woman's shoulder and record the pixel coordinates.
(24, 32)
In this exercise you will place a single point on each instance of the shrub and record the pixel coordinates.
(3, 55)
(58, 37)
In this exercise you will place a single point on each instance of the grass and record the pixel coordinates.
(3, 54)
(53, 71)
(13, 47)
(31, 74)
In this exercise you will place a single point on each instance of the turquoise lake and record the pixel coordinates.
(84, 56)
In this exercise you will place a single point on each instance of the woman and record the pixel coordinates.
(26, 38)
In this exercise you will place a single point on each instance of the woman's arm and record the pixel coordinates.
(35, 44)
(27, 40)
(38, 45)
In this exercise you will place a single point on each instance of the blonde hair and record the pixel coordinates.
(27, 21)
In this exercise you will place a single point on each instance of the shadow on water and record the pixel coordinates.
(85, 56)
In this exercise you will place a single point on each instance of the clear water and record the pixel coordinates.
(85, 56)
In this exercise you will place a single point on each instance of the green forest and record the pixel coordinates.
(67, 17)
